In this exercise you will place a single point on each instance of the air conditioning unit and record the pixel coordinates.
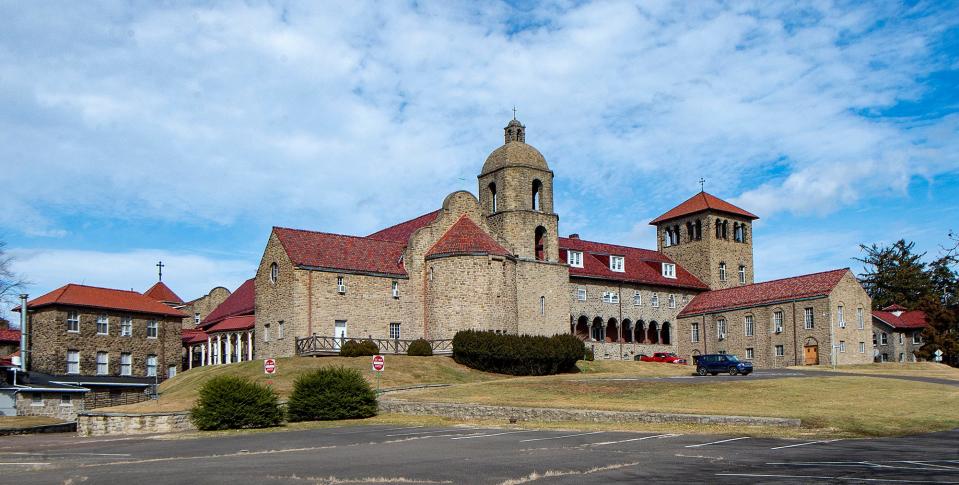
(779, 330)
(341, 288)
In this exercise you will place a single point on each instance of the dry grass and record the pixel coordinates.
(854, 406)
(16, 422)
(921, 369)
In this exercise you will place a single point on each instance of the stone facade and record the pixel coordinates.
(63, 406)
(198, 309)
(891, 344)
(703, 256)
(102, 424)
(50, 341)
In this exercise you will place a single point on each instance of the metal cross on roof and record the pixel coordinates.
(514, 112)
(160, 266)
(702, 184)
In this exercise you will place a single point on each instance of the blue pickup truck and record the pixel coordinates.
(715, 363)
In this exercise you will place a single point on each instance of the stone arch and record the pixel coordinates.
(612, 330)
(582, 327)
(652, 334)
(627, 330)
(664, 335)
(492, 195)
(540, 241)
(596, 330)
(537, 194)
(640, 331)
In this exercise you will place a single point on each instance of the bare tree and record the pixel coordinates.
(11, 284)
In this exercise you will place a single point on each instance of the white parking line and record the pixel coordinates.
(815, 477)
(494, 434)
(432, 431)
(933, 464)
(717, 442)
(559, 437)
(804, 444)
(48, 453)
(376, 430)
(604, 443)
(34, 464)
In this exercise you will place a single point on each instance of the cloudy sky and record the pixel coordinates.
(138, 131)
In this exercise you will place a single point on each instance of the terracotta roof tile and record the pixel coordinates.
(702, 202)
(465, 237)
(240, 302)
(335, 251)
(641, 265)
(105, 298)
(402, 231)
(193, 336)
(232, 324)
(787, 289)
(911, 319)
(9, 335)
(161, 292)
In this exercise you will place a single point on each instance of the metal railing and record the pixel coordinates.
(320, 345)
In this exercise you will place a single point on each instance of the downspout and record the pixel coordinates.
(309, 304)
(620, 320)
(425, 304)
(795, 338)
(23, 332)
(705, 335)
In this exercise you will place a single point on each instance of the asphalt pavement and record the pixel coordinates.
(485, 455)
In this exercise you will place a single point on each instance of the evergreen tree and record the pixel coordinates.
(894, 274)
(942, 333)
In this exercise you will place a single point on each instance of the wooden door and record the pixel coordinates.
(811, 354)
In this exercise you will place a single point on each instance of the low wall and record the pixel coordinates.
(99, 424)
(624, 351)
(473, 411)
(43, 428)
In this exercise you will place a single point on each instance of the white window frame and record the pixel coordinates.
(862, 347)
(126, 326)
(842, 346)
(154, 327)
(654, 300)
(749, 326)
(617, 264)
(809, 318)
(610, 297)
(902, 338)
(126, 364)
(917, 338)
(279, 330)
(780, 351)
(196, 318)
(742, 274)
(841, 316)
(694, 333)
(395, 289)
(883, 338)
(73, 318)
(750, 353)
(637, 299)
(103, 321)
(274, 272)
(73, 365)
(151, 364)
(574, 258)
(721, 329)
(580, 294)
(669, 270)
(778, 321)
(66, 400)
(266, 332)
(396, 329)
(860, 318)
(672, 300)
(542, 305)
(341, 283)
(105, 363)
(722, 271)
(170, 371)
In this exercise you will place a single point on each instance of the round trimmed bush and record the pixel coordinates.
(358, 348)
(231, 402)
(420, 348)
(330, 393)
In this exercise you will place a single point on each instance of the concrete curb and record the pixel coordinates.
(475, 411)
(44, 428)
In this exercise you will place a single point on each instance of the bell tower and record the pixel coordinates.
(516, 194)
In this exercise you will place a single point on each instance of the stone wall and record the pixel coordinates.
(702, 257)
(275, 303)
(851, 295)
(536, 281)
(203, 305)
(100, 424)
(893, 349)
(471, 292)
(50, 341)
(53, 405)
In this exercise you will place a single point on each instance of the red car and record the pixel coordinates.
(667, 357)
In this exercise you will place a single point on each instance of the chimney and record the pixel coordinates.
(23, 332)
(574, 236)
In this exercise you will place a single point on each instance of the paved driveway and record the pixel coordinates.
(476, 455)
(779, 374)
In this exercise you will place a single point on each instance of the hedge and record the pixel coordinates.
(231, 402)
(358, 348)
(420, 347)
(519, 355)
(331, 393)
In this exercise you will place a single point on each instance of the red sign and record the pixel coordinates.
(379, 363)
(269, 366)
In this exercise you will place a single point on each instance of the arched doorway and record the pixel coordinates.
(596, 330)
(612, 332)
(664, 334)
(653, 333)
(627, 331)
(582, 328)
(640, 331)
(810, 351)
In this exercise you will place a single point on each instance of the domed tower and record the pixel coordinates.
(516, 194)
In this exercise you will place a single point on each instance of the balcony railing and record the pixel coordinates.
(319, 345)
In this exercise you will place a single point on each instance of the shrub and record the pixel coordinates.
(420, 347)
(331, 393)
(589, 354)
(231, 402)
(358, 348)
(519, 355)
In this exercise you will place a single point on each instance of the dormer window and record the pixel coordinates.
(617, 263)
(669, 270)
(574, 258)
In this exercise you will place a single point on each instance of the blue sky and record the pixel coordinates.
(132, 132)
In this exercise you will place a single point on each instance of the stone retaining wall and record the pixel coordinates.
(473, 411)
(99, 424)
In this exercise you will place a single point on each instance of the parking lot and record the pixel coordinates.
(383, 454)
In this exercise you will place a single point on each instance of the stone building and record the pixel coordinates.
(897, 334)
(225, 335)
(496, 262)
(196, 310)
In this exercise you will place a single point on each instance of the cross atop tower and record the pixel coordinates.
(702, 184)
(160, 266)
(514, 112)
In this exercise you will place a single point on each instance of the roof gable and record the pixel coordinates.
(786, 289)
(104, 298)
(640, 265)
(231, 324)
(702, 202)
(240, 302)
(402, 231)
(911, 319)
(335, 251)
(465, 237)
(161, 292)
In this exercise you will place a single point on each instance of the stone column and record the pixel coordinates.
(189, 356)
(239, 348)
(219, 350)
(209, 350)
(203, 348)
(228, 349)
(249, 344)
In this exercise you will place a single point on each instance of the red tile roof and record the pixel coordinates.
(465, 237)
(105, 298)
(193, 336)
(895, 307)
(335, 251)
(9, 335)
(232, 324)
(769, 292)
(161, 292)
(641, 265)
(913, 319)
(240, 302)
(402, 231)
(699, 203)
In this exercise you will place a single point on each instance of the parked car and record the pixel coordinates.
(667, 357)
(715, 363)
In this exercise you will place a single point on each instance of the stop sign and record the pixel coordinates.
(269, 366)
(379, 363)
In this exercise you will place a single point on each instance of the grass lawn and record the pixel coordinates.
(843, 406)
(924, 369)
(16, 422)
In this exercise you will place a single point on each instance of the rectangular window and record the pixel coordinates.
(151, 365)
(721, 328)
(126, 326)
(266, 332)
(883, 338)
(778, 321)
(126, 364)
(672, 301)
(341, 285)
(902, 357)
(103, 363)
(901, 338)
(654, 300)
(103, 325)
(73, 362)
(638, 299)
(394, 330)
(617, 263)
(862, 347)
(842, 346)
(574, 258)
(171, 372)
(151, 329)
(669, 270)
(694, 332)
(395, 289)
(65, 400)
(610, 297)
(917, 338)
(808, 319)
(748, 323)
(742, 274)
(73, 322)
(196, 318)
(581, 294)
(279, 329)
(542, 304)
(36, 399)
(840, 317)
(780, 351)
(860, 319)
(750, 354)
(722, 271)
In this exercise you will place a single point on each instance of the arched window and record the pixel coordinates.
(540, 243)
(640, 331)
(664, 334)
(719, 228)
(537, 191)
(652, 334)
(676, 234)
(492, 193)
(725, 229)
(690, 232)
(274, 273)
(596, 330)
(698, 230)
